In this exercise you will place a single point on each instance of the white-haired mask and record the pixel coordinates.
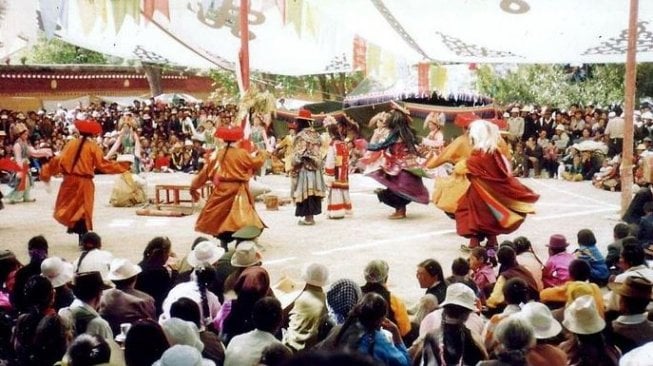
(484, 135)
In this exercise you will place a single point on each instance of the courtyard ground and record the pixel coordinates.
(345, 246)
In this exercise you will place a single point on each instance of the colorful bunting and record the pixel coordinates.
(438, 77)
(309, 20)
(294, 10)
(360, 53)
(122, 9)
(373, 59)
(162, 6)
(423, 77)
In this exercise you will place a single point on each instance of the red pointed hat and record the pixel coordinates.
(88, 127)
(305, 114)
(229, 134)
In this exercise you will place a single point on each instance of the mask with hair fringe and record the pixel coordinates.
(484, 135)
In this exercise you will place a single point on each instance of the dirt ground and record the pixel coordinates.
(345, 246)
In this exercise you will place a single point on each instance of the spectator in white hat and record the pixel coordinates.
(180, 331)
(587, 345)
(459, 345)
(432, 323)
(60, 274)
(309, 309)
(124, 304)
(546, 331)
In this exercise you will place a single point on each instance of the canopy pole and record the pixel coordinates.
(629, 106)
(244, 43)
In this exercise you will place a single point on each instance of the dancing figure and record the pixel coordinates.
(495, 202)
(397, 168)
(307, 183)
(78, 162)
(22, 180)
(336, 171)
(231, 205)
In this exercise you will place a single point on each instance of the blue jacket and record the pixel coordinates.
(384, 351)
(599, 269)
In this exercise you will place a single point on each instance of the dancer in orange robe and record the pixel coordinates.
(495, 202)
(231, 205)
(78, 162)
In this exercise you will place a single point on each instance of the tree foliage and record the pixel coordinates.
(323, 86)
(56, 51)
(603, 84)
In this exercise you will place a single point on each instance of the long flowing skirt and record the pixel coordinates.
(404, 184)
(339, 203)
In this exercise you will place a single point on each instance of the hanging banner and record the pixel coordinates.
(423, 78)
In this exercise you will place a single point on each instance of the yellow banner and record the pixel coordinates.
(294, 10)
(438, 77)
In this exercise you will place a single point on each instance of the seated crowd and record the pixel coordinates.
(578, 143)
(577, 307)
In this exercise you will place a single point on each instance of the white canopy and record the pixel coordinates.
(295, 37)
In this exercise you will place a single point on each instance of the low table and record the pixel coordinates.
(173, 195)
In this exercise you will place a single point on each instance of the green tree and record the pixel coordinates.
(56, 51)
(553, 85)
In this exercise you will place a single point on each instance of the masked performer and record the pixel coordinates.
(78, 162)
(397, 168)
(495, 202)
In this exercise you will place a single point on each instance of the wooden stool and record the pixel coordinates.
(173, 194)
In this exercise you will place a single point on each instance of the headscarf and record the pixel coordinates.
(343, 295)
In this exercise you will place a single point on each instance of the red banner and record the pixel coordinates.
(360, 54)
(423, 78)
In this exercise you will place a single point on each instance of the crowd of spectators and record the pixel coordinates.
(577, 143)
(213, 306)
(170, 137)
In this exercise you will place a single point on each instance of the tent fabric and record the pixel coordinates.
(298, 37)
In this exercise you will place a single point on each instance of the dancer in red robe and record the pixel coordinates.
(495, 202)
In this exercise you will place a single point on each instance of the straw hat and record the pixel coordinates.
(539, 316)
(57, 271)
(122, 269)
(205, 252)
(461, 295)
(581, 316)
(287, 290)
(246, 254)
